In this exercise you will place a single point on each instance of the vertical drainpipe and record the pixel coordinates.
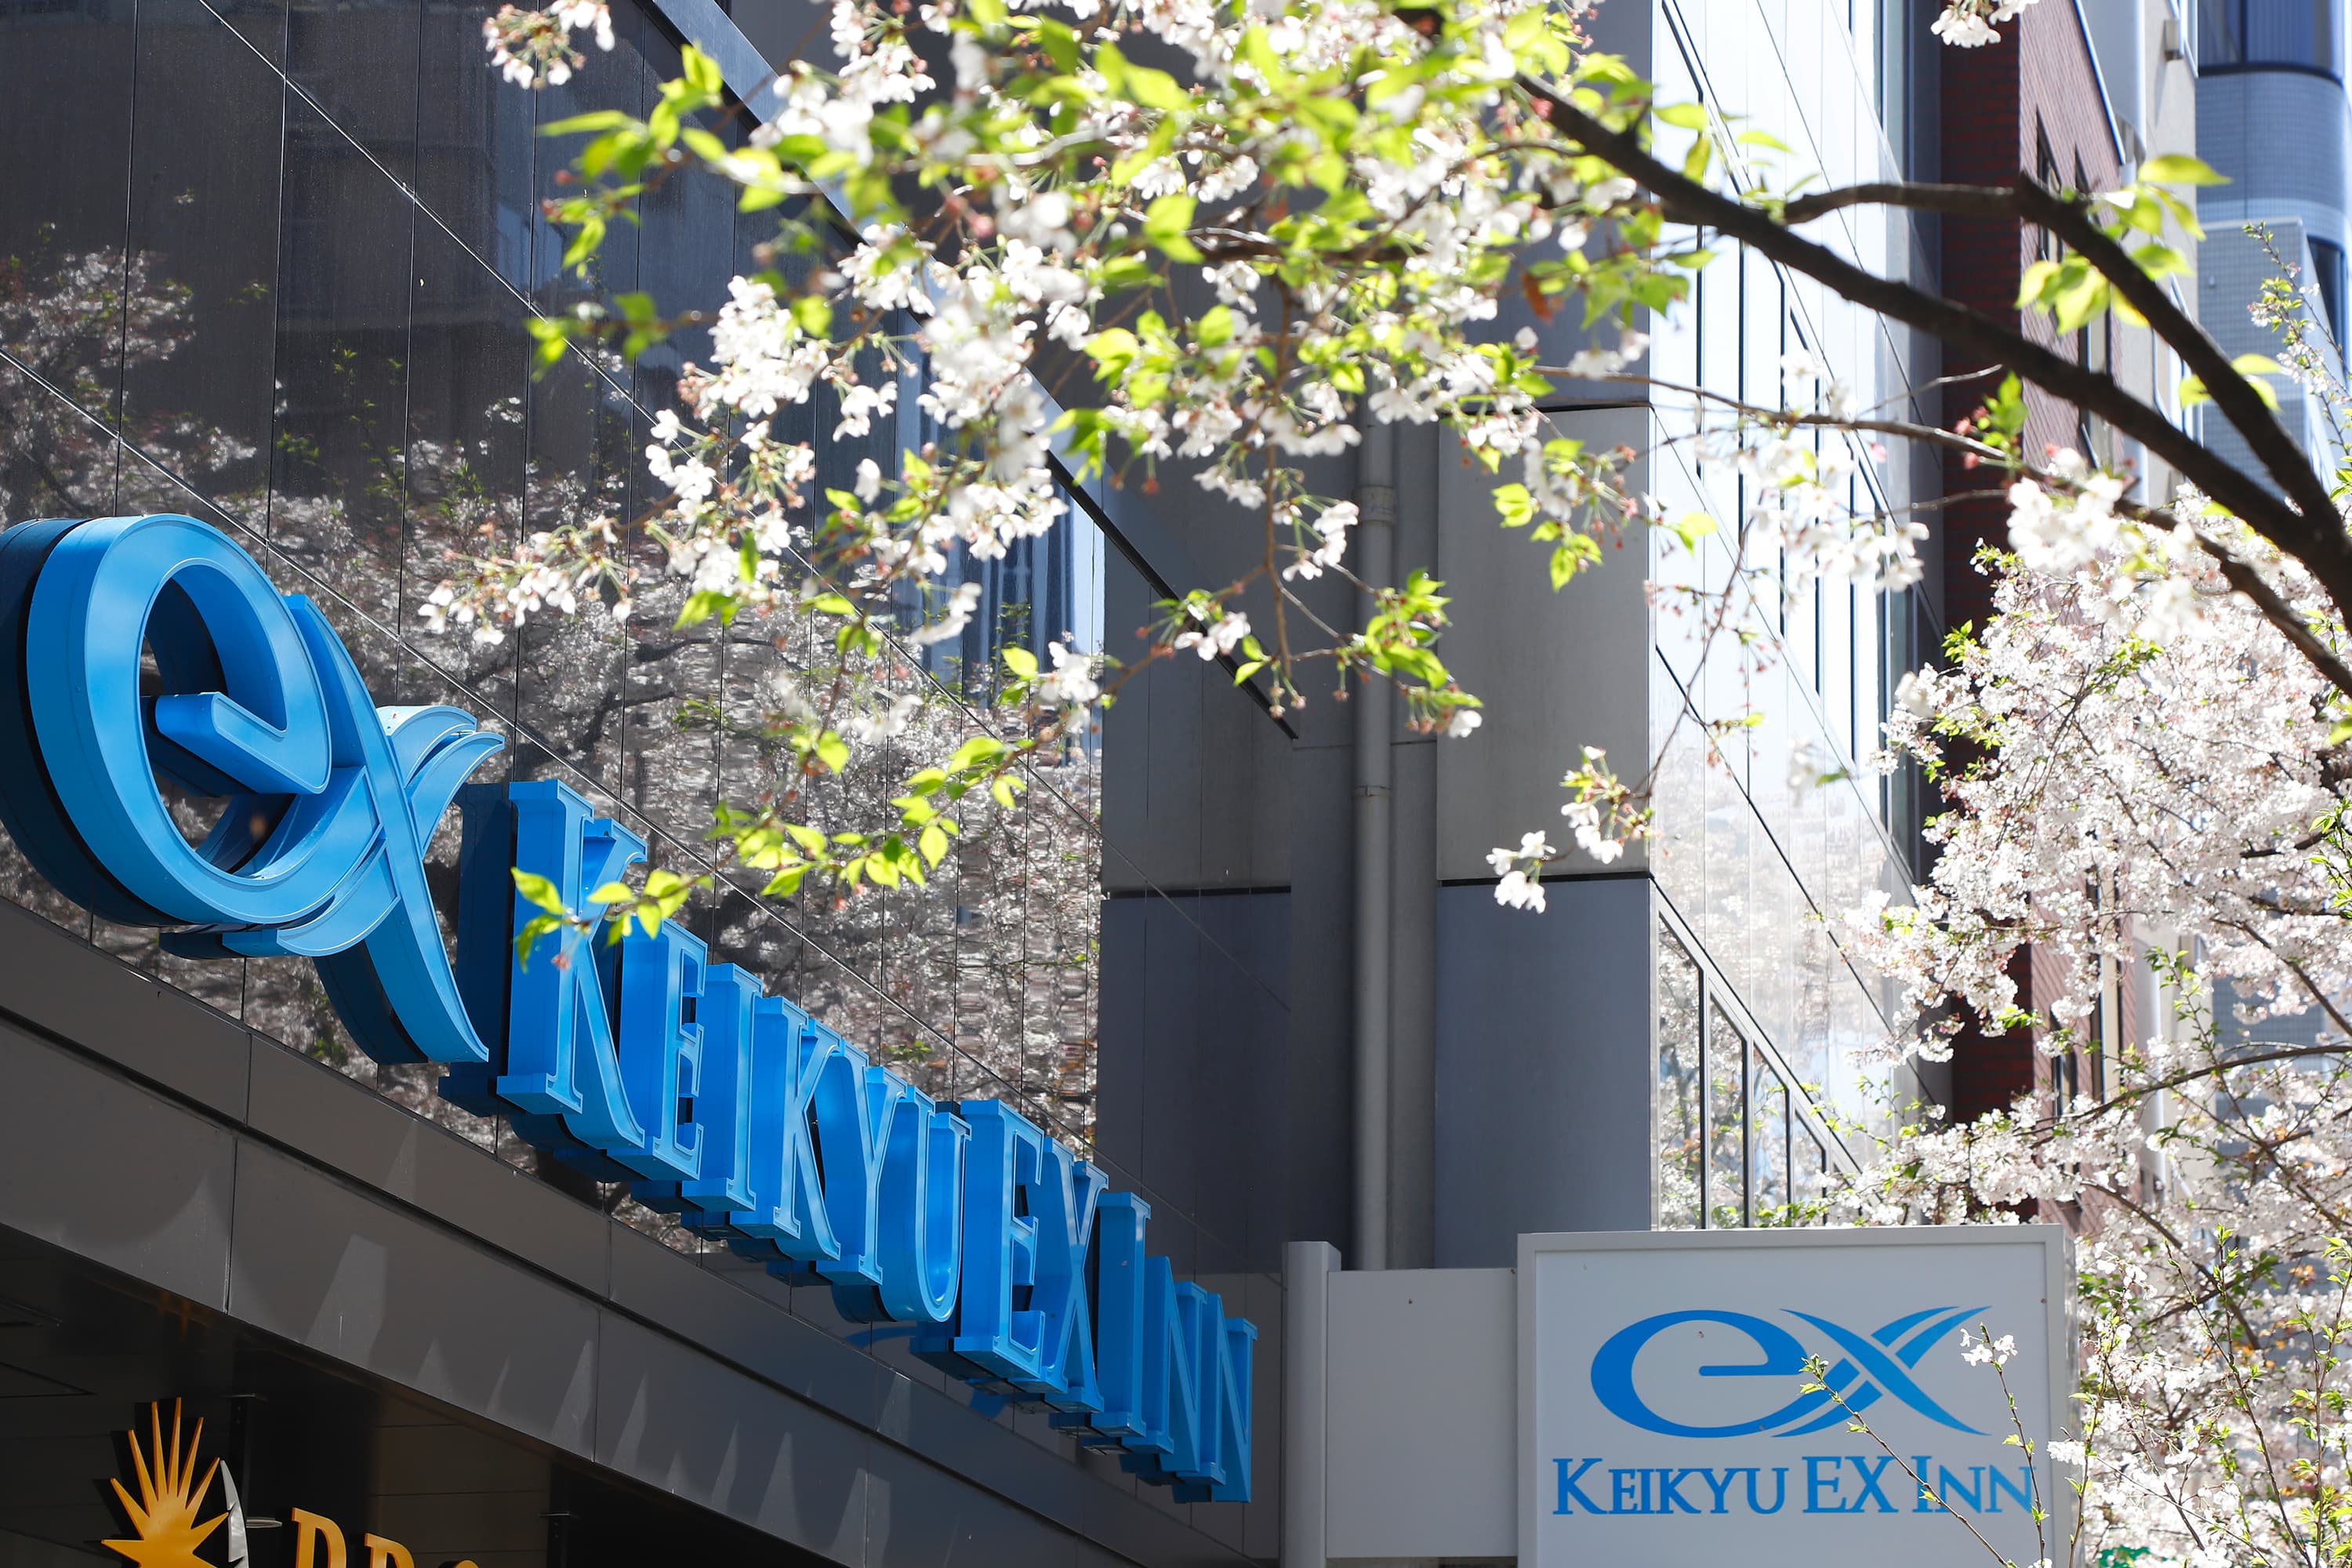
(1306, 1269)
(1375, 854)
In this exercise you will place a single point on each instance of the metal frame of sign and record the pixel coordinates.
(2057, 1279)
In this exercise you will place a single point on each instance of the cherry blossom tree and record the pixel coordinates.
(1174, 241)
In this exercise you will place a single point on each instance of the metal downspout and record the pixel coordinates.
(1375, 856)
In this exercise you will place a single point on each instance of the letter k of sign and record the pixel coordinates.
(1569, 1486)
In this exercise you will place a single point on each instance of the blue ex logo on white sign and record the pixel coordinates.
(1862, 1368)
(1015, 1265)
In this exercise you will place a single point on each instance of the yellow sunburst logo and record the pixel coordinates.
(164, 1518)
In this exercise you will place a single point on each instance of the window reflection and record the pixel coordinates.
(1768, 1142)
(1725, 1053)
(2300, 33)
(299, 346)
(1680, 1145)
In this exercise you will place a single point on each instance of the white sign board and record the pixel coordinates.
(1662, 1421)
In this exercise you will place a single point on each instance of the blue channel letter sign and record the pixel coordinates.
(1671, 1412)
(643, 1063)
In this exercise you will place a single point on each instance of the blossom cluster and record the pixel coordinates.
(1969, 23)
(2133, 790)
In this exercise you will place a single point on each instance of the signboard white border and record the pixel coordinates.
(2057, 1277)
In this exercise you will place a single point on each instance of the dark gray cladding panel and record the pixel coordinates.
(76, 992)
(724, 1304)
(702, 1431)
(1543, 1085)
(918, 1518)
(152, 1197)
(347, 1275)
(341, 1122)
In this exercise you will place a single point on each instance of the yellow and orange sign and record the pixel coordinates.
(165, 1531)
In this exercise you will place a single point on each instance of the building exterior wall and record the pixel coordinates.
(270, 268)
(335, 372)
(2247, 115)
(2074, 95)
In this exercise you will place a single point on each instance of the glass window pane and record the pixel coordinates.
(1676, 1105)
(1768, 1142)
(1809, 1174)
(1727, 1141)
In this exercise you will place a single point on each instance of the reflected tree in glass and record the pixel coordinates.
(1678, 1129)
(1768, 1142)
(1725, 1058)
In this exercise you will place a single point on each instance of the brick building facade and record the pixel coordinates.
(2034, 103)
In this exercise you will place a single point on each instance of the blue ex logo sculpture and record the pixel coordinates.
(1866, 1366)
(641, 1062)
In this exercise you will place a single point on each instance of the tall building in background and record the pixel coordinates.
(1674, 1039)
(2272, 116)
(2076, 95)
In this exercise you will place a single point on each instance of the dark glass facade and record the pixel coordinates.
(2300, 33)
(268, 262)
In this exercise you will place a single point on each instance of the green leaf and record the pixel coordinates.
(527, 937)
(2180, 169)
(580, 124)
(1061, 45)
(1692, 527)
(2255, 366)
(610, 893)
(537, 889)
(813, 314)
(1515, 504)
(702, 605)
(1688, 116)
(1155, 89)
(2081, 303)
(977, 750)
(1021, 662)
(1164, 224)
(2036, 279)
(2159, 260)
(702, 72)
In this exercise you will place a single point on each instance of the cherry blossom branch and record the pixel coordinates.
(2068, 216)
(2318, 541)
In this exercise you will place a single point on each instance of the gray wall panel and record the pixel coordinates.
(706, 1308)
(1543, 1082)
(83, 995)
(1557, 671)
(918, 1517)
(1322, 966)
(944, 1429)
(152, 1197)
(700, 1431)
(329, 1268)
(340, 1121)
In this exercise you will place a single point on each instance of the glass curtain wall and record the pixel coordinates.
(268, 262)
